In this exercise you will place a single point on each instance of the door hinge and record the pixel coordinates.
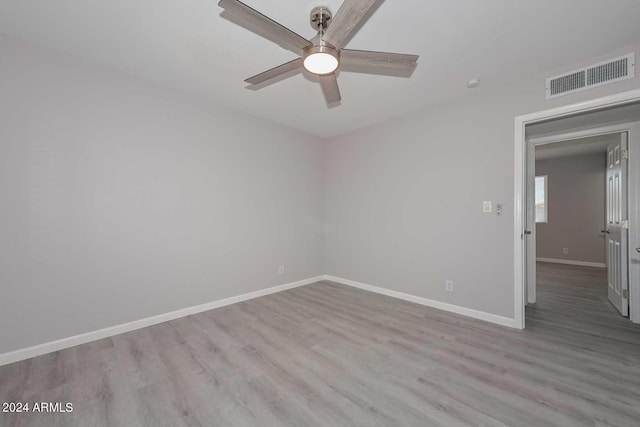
(625, 224)
(625, 154)
(625, 294)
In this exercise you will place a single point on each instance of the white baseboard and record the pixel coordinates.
(572, 262)
(476, 314)
(38, 350)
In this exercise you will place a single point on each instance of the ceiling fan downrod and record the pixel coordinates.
(320, 18)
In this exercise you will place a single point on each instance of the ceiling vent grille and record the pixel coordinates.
(603, 73)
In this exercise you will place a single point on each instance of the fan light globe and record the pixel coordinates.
(321, 63)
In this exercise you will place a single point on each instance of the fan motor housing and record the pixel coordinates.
(321, 48)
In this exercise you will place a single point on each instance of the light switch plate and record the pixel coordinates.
(487, 206)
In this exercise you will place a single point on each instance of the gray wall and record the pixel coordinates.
(404, 198)
(120, 200)
(576, 199)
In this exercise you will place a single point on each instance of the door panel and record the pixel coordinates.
(617, 225)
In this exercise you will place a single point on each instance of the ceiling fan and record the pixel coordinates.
(324, 54)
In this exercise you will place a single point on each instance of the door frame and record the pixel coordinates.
(521, 147)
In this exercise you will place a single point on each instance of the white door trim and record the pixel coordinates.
(520, 145)
(568, 136)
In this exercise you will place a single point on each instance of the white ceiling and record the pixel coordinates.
(577, 147)
(187, 45)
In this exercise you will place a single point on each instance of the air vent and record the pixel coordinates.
(596, 75)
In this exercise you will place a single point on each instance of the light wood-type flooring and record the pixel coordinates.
(330, 355)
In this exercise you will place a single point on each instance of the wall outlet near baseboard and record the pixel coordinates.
(281, 270)
(448, 285)
(565, 251)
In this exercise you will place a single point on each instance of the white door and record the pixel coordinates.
(617, 225)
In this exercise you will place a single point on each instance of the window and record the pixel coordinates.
(541, 198)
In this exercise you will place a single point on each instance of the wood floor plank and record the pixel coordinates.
(328, 354)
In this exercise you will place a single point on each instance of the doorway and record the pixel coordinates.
(579, 222)
(618, 114)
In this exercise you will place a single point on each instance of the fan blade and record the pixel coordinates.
(373, 62)
(276, 32)
(276, 72)
(329, 85)
(346, 20)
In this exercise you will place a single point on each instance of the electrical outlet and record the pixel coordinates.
(565, 251)
(281, 270)
(448, 285)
